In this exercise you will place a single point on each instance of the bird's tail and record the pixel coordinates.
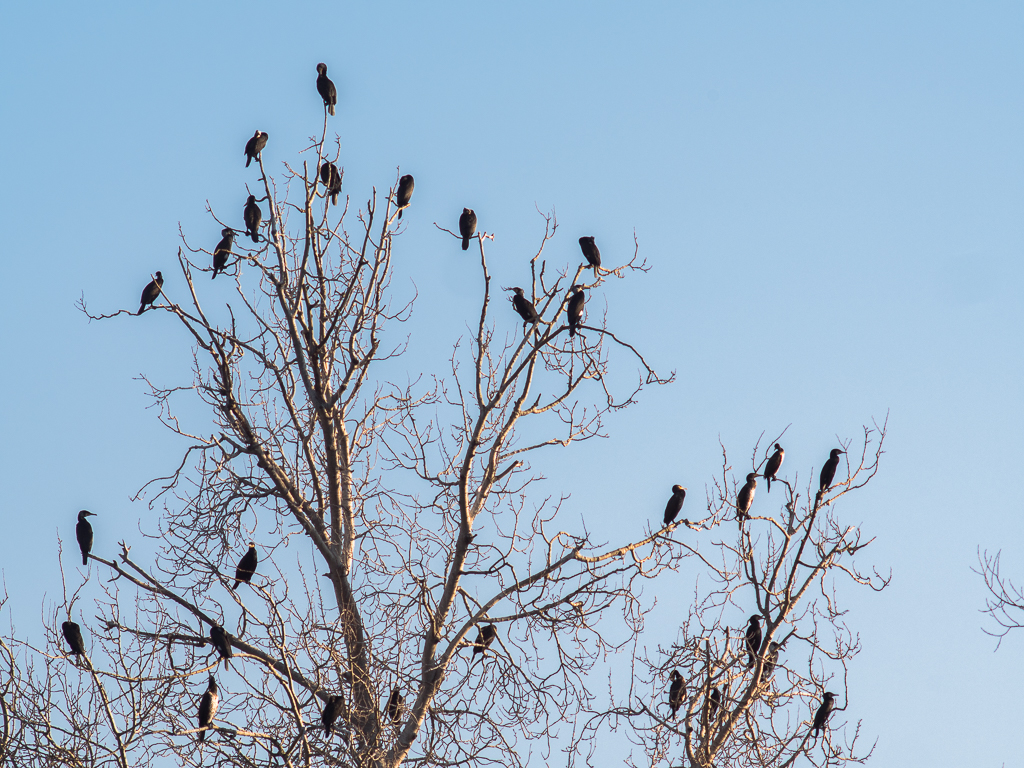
(330, 109)
(85, 558)
(255, 236)
(768, 482)
(236, 585)
(400, 213)
(248, 159)
(142, 308)
(202, 735)
(334, 198)
(465, 243)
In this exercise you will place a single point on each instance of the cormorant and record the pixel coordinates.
(208, 707)
(677, 692)
(675, 504)
(396, 706)
(772, 468)
(467, 226)
(770, 660)
(220, 640)
(485, 637)
(525, 308)
(326, 88)
(746, 497)
(83, 532)
(591, 252)
(254, 146)
(222, 252)
(828, 702)
(714, 703)
(575, 309)
(252, 216)
(330, 713)
(753, 640)
(331, 180)
(406, 185)
(73, 634)
(151, 292)
(246, 566)
(828, 472)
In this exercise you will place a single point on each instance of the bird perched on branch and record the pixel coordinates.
(83, 532)
(828, 472)
(676, 692)
(222, 252)
(574, 312)
(331, 180)
(771, 659)
(484, 638)
(467, 226)
(219, 639)
(151, 292)
(326, 88)
(714, 703)
(208, 707)
(396, 706)
(746, 497)
(246, 566)
(828, 703)
(252, 215)
(591, 252)
(330, 713)
(254, 146)
(73, 635)
(406, 185)
(675, 503)
(753, 640)
(772, 468)
(525, 308)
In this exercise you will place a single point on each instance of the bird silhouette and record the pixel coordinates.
(208, 707)
(745, 498)
(828, 471)
(772, 468)
(254, 146)
(222, 252)
(828, 703)
(246, 566)
(73, 635)
(467, 226)
(151, 292)
(753, 640)
(326, 88)
(676, 692)
(675, 503)
(252, 215)
(591, 252)
(83, 532)
(406, 185)
(574, 311)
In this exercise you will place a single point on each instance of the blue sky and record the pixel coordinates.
(830, 195)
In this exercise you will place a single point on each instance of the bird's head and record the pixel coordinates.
(252, 545)
(257, 134)
(587, 239)
(405, 179)
(755, 619)
(517, 291)
(778, 447)
(159, 276)
(228, 232)
(213, 682)
(677, 488)
(321, 68)
(675, 675)
(252, 199)
(85, 513)
(752, 477)
(466, 211)
(835, 453)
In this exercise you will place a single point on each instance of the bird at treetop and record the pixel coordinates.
(252, 215)
(151, 292)
(828, 702)
(396, 706)
(331, 180)
(828, 472)
(246, 566)
(73, 634)
(219, 639)
(406, 185)
(591, 252)
(675, 503)
(330, 713)
(524, 307)
(574, 311)
(676, 692)
(772, 468)
(83, 532)
(467, 226)
(484, 638)
(714, 703)
(326, 88)
(222, 252)
(753, 640)
(254, 146)
(746, 497)
(208, 707)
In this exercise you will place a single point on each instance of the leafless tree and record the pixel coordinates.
(1005, 601)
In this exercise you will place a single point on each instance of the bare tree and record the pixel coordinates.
(1005, 601)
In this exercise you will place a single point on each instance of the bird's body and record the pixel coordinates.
(219, 639)
(406, 185)
(772, 468)
(326, 88)
(208, 707)
(254, 146)
(246, 566)
(222, 252)
(73, 635)
(331, 179)
(252, 215)
(484, 638)
(83, 532)
(675, 504)
(524, 307)
(753, 640)
(330, 713)
(676, 692)
(151, 292)
(828, 702)
(714, 703)
(591, 252)
(771, 659)
(828, 471)
(745, 498)
(396, 706)
(467, 226)
(574, 312)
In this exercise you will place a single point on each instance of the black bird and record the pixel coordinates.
(467, 226)
(828, 472)
(746, 497)
(485, 637)
(326, 88)
(591, 252)
(525, 308)
(208, 707)
(83, 532)
(222, 252)
(254, 146)
(677, 692)
(828, 702)
(220, 640)
(252, 216)
(330, 713)
(575, 309)
(73, 634)
(753, 640)
(406, 185)
(151, 292)
(772, 468)
(675, 504)
(246, 566)
(714, 703)
(396, 706)
(331, 180)
(770, 661)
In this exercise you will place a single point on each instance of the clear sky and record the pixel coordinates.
(830, 194)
